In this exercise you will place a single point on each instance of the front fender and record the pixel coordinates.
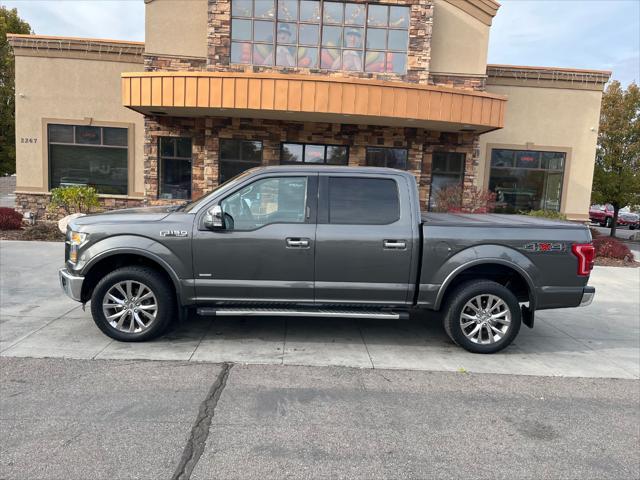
(172, 261)
(485, 254)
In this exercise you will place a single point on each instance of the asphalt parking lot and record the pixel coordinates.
(115, 419)
(602, 340)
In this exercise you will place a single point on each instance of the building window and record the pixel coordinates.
(175, 168)
(296, 153)
(526, 180)
(236, 156)
(329, 35)
(387, 157)
(447, 169)
(88, 155)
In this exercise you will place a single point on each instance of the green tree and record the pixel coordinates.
(616, 178)
(10, 22)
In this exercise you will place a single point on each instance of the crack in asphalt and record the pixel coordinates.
(200, 430)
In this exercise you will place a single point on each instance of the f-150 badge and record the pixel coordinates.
(174, 233)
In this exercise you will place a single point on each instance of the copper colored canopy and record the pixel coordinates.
(312, 98)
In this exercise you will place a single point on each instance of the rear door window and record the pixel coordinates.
(363, 201)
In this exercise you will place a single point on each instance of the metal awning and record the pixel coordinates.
(312, 98)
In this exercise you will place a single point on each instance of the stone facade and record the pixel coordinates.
(466, 82)
(207, 132)
(155, 63)
(38, 203)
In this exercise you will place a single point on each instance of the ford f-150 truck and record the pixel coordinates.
(324, 241)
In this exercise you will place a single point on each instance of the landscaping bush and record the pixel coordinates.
(609, 247)
(450, 199)
(10, 219)
(553, 214)
(43, 231)
(75, 199)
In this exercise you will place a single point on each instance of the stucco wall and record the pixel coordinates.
(556, 118)
(73, 90)
(176, 27)
(459, 42)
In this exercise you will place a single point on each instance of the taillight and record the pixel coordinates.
(586, 254)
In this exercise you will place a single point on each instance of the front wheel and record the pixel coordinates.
(482, 316)
(133, 304)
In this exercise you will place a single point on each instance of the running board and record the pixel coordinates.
(300, 312)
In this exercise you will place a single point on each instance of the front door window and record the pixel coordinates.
(266, 201)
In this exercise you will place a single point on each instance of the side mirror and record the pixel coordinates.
(213, 219)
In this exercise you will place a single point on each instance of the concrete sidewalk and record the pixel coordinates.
(603, 340)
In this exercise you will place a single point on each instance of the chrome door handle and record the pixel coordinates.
(395, 244)
(298, 242)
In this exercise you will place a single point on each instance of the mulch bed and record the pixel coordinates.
(41, 231)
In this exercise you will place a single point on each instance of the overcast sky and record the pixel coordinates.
(599, 34)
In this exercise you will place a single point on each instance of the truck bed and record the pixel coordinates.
(450, 241)
(494, 220)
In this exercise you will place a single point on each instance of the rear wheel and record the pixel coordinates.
(133, 304)
(482, 316)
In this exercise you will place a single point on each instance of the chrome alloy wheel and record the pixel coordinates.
(130, 306)
(485, 319)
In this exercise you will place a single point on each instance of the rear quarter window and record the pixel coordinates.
(363, 201)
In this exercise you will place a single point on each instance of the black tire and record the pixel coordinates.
(632, 227)
(458, 299)
(152, 279)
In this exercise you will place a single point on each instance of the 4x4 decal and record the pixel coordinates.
(544, 247)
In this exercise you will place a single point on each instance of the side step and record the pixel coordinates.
(302, 312)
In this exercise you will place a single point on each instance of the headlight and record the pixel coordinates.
(75, 240)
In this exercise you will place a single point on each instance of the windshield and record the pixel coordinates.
(193, 205)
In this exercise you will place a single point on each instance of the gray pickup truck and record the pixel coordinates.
(324, 241)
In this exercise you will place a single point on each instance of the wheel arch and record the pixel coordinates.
(497, 269)
(113, 259)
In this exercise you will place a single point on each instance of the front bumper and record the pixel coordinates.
(587, 296)
(71, 284)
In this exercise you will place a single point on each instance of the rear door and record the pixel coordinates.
(364, 240)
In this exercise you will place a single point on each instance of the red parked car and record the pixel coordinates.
(603, 214)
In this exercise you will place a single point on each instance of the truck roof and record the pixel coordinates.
(332, 169)
(495, 220)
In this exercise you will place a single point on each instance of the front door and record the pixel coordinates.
(265, 253)
(364, 240)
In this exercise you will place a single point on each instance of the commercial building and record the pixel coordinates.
(220, 86)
